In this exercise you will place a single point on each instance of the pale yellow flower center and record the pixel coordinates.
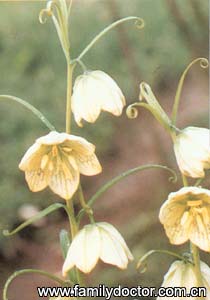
(53, 157)
(194, 209)
(194, 203)
(54, 151)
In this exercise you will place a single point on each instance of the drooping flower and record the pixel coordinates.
(192, 150)
(186, 216)
(182, 274)
(93, 92)
(56, 160)
(94, 242)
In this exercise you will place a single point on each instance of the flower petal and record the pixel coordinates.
(64, 179)
(36, 177)
(84, 250)
(200, 229)
(113, 231)
(88, 164)
(53, 138)
(170, 216)
(112, 251)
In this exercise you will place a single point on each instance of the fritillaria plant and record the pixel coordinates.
(58, 159)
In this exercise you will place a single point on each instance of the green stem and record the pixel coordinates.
(204, 64)
(196, 260)
(108, 28)
(198, 181)
(82, 65)
(143, 259)
(73, 224)
(70, 68)
(116, 179)
(37, 217)
(30, 107)
(25, 271)
(74, 230)
(84, 205)
(184, 180)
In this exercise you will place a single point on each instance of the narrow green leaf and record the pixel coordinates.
(37, 217)
(118, 178)
(30, 107)
(26, 271)
(203, 64)
(64, 242)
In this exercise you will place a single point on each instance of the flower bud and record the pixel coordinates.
(94, 242)
(192, 150)
(93, 92)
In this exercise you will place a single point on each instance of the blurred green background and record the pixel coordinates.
(33, 68)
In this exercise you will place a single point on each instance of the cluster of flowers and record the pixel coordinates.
(57, 159)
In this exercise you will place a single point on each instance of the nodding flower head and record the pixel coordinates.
(94, 242)
(93, 92)
(192, 150)
(183, 275)
(56, 160)
(186, 216)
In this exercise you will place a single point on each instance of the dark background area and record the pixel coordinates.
(33, 68)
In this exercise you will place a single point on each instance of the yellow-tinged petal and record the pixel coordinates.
(88, 164)
(56, 160)
(32, 157)
(186, 216)
(170, 216)
(37, 179)
(64, 180)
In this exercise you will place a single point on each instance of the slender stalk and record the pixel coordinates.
(74, 230)
(71, 214)
(84, 205)
(69, 203)
(26, 271)
(105, 30)
(70, 68)
(144, 258)
(184, 180)
(118, 178)
(30, 107)
(196, 260)
(203, 64)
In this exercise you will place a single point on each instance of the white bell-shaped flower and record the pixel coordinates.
(182, 274)
(94, 242)
(93, 92)
(192, 150)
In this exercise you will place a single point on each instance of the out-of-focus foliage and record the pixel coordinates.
(33, 67)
